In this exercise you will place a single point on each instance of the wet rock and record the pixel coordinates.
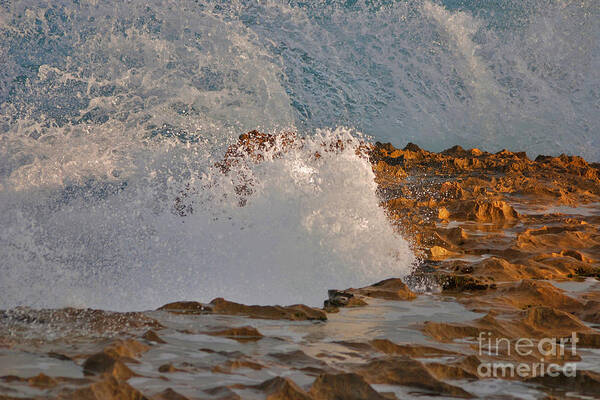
(340, 298)
(410, 350)
(300, 360)
(42, 381)
(126, 349)
(230, 366)
(169, 394)
(152, 336)
(297, 312)
(107, 389)
(103, 363)
(343, 386)
(499, 269)
(526, 294)
(463, 283)
(484, 211)
(536, 323)
(443, 213)
(445, 371)
(591, 312)
(186, 307)
(439, 253)
(407, 372)
(168, 368)
(59, 356)
(388, 289)
(280, 388)
(242, 334)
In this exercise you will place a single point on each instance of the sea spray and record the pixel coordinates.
(310, 221)
(108, 111)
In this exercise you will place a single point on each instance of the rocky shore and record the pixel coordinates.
(510, 266)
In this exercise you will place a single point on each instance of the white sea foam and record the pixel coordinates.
(308, 225)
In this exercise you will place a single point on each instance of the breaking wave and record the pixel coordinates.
(109, 110)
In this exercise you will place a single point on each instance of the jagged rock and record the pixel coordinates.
(388, 289)
(407, 372)
(297, 312)
(484, 211)
(107, 389)
(279, 388)
(526, 294)
(343, 386)
(463, 283)
(439, 253)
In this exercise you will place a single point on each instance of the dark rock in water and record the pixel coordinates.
(463, 283)
(411, 350)
(388, 289)
(282, 388)
(110, 360)
(107, 389)
(241, 334)
(167, 368)
(343, 386)
(340, 298)
(169, 394)
(297, 312)
(42, 381)
(152, 336)
(59, 356)
(186, 307)
(407, 372)
(103, 363)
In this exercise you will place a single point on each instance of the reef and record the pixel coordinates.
(511, 242)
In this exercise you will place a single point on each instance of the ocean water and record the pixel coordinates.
(108, 110)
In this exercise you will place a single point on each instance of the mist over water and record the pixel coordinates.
(108, 110)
